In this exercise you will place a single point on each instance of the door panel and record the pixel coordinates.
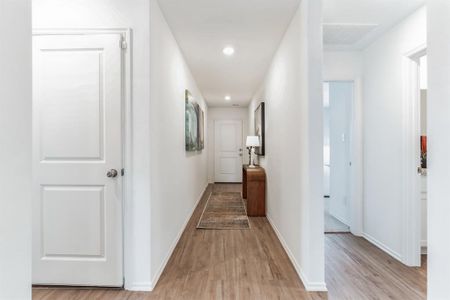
(341, 97)
(77, 138)
(72, 114)
(228, 151)
(72, 222)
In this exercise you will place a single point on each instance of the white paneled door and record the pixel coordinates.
(77, 139)
(228, 151)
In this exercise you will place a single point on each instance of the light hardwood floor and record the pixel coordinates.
(355, 269)
(251, 264)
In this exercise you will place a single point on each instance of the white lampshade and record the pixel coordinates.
(252, 141)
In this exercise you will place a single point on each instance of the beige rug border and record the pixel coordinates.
(219, 228)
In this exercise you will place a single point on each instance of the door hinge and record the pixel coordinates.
(122, 172)
(123, 43)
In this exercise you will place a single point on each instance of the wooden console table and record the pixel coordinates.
(254, 190)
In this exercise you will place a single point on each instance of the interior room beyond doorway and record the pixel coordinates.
(338, 98)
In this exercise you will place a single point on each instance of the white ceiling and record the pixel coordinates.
(203, 28)
(355, 24)
(254, 28)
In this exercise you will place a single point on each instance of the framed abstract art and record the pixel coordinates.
(260, 128)
(194, 124)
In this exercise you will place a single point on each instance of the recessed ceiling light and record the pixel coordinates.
(227, 98)
(228, 51)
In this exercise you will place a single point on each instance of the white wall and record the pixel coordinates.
(225, 113)
(15, 149)
(132, 14)
(342, 65)
(292, 91)
(439, 149)
(178, 178)
(383, 131)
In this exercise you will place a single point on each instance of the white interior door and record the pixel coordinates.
(228, 151)
(340, 99)
(77, 208)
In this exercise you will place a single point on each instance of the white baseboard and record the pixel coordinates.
(309, 286)
(383, 247)
(175, 242)
(356, 233)
(139, 287)
(424, 249)
(345, 222)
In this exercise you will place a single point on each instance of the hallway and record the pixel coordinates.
(119, 116)
(251, 264)
(215, 264)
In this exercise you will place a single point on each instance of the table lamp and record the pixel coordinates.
(252, 142)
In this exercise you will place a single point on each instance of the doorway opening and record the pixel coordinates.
(415, 159)
(337, 107)
(423, 78)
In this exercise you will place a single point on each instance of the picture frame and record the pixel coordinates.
(194, 124)
(260, 129)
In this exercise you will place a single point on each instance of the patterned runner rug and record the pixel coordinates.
(224, 210)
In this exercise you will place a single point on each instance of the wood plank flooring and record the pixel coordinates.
(355, 269)
(251, 264)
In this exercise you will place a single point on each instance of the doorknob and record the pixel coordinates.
(112, 173)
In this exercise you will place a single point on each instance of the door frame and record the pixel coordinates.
(411, 191)
(126, 44)
(356, 155)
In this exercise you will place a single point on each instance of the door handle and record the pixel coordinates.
(112, 173)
